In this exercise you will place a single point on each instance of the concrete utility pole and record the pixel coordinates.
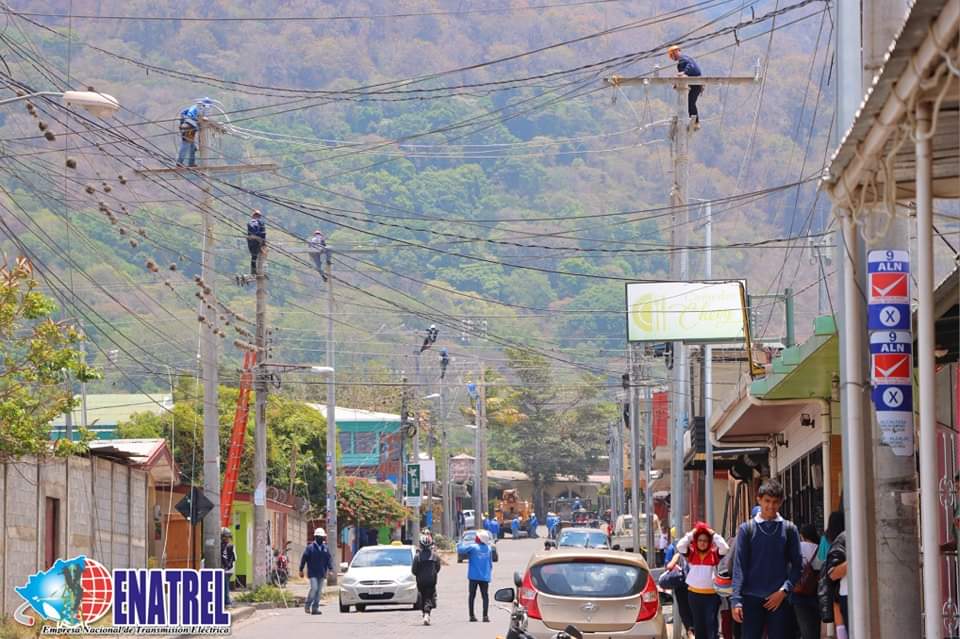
(648, 470)
(892, 520)
(333, 535)
(708, 377)
(679, 135)
(482, 390)
(209, 370)
(260, 549)
(635, 445)
(445, 460)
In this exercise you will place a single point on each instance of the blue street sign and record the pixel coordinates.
(894, 342)
(888, 261)
(893, 398)
(886, 317)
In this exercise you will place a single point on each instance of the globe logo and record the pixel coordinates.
(72, 592)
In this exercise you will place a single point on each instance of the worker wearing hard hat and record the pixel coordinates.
(316, 557)
(688, 67)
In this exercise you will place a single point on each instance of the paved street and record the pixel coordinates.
(449, 619)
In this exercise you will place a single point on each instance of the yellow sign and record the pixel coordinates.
(686, 312)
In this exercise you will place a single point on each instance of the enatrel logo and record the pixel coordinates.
(75, 593)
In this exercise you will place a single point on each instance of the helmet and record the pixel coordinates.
(425, 540)
(256, 213)
(672, 49)
(225, 532)
(319, 532)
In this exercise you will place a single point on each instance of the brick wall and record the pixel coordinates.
(102, 514)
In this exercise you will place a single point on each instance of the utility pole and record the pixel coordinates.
(708, 376)
(209, 370)
(679, 135)
(260, 549)
(445, 460)
(635, 446)
(648, 469)
(415, 529)
(333, 534)
(890, 523)
(482, 430)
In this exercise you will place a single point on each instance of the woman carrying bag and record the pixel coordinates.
(702, 549)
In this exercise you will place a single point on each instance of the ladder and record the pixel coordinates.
(235, 453)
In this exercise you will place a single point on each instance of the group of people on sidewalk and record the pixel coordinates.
(772, 580)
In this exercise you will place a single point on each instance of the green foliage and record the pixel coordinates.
(267, 593)
(362, 503)
(36, 353)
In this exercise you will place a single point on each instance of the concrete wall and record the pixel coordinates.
(102, 515)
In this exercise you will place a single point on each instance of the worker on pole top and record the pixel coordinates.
(318, 251)
(687, 67)
(189, 129)
(256, 238)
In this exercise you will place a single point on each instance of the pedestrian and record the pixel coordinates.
(662, 544)
(702, 548)
(766, 568)
(494, 528)
(671, 548)
(832, 590)
(256, 238)
(426, 567)
(317, 559)
(577, 505)
(804, 596)
(317, 246)
(515, 528)
(728, 627)
(479, 572)
(189, 128)
(228, 557)
(461, 523)
(687, 67)
(532, 526)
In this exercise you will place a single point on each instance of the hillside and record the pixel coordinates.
(486, 181)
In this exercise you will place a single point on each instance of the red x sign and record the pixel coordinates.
(891, 368)
(889, 288)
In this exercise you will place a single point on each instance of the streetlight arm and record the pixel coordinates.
(29, 95)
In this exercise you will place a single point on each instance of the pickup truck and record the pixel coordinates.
(622, 537)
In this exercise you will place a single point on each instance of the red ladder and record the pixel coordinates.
(236, 439)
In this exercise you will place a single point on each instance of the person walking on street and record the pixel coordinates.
(804, 596)
(256, 238)
(832, 591)
(426, 567)
(766, 568)
(228, 557)
(688, 67)
(702, 548)
(317, 559)
(479, 572)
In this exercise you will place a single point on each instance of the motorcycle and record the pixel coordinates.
(518, 619)
(281, 566)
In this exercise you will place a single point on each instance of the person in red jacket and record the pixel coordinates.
(702, 548)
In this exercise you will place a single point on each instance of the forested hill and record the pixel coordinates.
(471, 148)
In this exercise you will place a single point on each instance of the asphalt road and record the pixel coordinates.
(450, 619)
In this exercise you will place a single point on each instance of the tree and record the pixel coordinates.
(562, 433)
(362, 503)
(35, 354)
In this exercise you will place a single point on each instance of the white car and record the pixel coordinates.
(379, 576)
(469, 519)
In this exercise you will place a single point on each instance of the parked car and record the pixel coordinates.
(469, 519)
(598, 591)
(622, 537)
(379, 576)
(579, 538)
(470, 535)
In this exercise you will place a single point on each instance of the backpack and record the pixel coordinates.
(809, 580)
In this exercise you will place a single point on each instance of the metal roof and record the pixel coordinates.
(946, 154)
(345, 414)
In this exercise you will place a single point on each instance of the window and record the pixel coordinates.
(365, 443)
(51, 531)
(803, 490)
(346, 443)
(588, 579)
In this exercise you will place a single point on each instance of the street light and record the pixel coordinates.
(101, 105)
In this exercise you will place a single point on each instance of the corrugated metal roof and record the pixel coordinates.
(946, 154)
(345, 414)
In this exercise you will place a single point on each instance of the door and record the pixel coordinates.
(51, 531)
